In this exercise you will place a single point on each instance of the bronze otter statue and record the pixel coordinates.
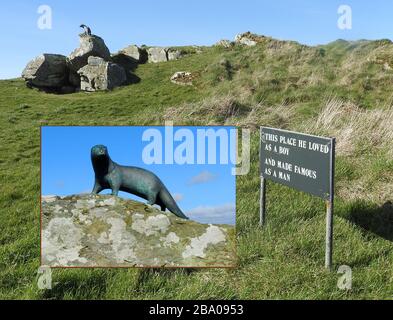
(134, 180)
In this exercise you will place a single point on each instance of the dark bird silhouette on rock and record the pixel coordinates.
(87, 29)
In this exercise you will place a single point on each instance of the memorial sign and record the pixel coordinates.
(300, 161)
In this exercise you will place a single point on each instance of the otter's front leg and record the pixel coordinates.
(115, 186)
(97, 187)
(151, 199)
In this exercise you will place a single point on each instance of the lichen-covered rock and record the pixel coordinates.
(174, 54)
(249, 39)
(107, 231)
(47, 71)
(90, 46)
(139, 55)
(160, 54)
(182, 78)
(101, 75)
(224, 43)
(157, 54)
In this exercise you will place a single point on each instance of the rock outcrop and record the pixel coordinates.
(90, 46)
(81, 70)
(88, 68)
(161, 54)
(224, 43)
(174, 54)
(135, 53)
(129, 64)
(182, 78)
(46, 70)
(157, 54)
(249, 39)
(99, 74)
(107, 231)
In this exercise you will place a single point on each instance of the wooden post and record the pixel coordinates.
(330, 211)
(262, 202)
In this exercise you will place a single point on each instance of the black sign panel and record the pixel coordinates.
(299, 161)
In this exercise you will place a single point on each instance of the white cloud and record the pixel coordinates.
(225, 210)
(203, 177)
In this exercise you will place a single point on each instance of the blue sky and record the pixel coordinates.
(179, 22)
(207, 193)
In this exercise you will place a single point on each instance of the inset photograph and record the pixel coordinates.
(138, 196)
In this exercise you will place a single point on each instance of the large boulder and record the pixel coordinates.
(47, 71)
(133, 52)
(157, 54)
(174, 54)
(161, 54)
(107, 231)
(128, 64)
(74, 79)
(99, 74)
(90, 46)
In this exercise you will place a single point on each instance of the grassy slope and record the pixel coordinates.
(276, 83)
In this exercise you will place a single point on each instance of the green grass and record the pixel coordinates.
(282, 261)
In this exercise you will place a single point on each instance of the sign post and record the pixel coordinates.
(262, 207)
(329, 212)
(301, 161)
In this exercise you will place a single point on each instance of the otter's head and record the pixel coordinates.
(99, 151)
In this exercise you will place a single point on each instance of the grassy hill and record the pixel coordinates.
(342, 89)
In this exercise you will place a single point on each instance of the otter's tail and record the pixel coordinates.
(170, 203)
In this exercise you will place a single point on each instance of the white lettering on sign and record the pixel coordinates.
(270, 162)
(271, 137)
(283, 150)
(284, 165)
(306, 172)
(284, 176)
(318, 147)
(297, 160)
(289, 141)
